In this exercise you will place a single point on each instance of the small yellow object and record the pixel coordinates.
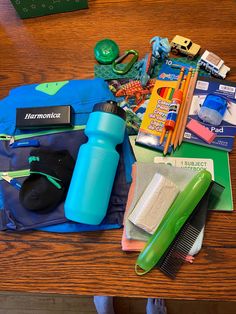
(180, 44)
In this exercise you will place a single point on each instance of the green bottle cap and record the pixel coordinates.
(106, 51)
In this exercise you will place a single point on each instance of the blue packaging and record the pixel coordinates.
(213, 109)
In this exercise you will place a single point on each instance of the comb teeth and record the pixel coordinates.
(173, 260)
(176, 254)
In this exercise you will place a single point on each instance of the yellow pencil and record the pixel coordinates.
(183, 84)
(187, 83)
(188, 101)
(180, 78)
(176, 133)
(163, 133)
(167, 142)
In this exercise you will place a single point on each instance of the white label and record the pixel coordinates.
(225, 88)
(197, 164)
(187, 135)
(202, 85)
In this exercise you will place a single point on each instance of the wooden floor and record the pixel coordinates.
(51, 304)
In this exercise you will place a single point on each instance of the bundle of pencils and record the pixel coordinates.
(179, 109)
(186, 105)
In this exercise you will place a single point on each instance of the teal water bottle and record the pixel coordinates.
(92, 180)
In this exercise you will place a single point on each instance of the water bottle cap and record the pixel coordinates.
(110, 107)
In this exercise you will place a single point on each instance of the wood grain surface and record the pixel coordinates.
(60, 47)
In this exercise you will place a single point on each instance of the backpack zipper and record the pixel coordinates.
(15, 174)
(13, 138)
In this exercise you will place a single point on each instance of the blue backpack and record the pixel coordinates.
(81, 95)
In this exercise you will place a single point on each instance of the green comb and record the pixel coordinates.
(173, 221)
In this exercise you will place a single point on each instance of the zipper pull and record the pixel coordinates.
(12, 140)
(4, 137)
(25, 143)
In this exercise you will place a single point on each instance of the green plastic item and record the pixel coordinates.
(33, 8)
(106, 51)
(173, 221)
(127, 66)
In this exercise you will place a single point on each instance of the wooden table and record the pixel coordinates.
(60, 47)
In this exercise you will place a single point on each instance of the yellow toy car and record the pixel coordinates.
(180, 44)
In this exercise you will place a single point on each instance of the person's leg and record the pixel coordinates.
(155, 306)
(104, 304)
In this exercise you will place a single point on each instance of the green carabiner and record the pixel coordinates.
(129, 65)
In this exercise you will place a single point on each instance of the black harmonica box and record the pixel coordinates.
(44, 117)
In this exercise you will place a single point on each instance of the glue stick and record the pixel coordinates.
(173, 110)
